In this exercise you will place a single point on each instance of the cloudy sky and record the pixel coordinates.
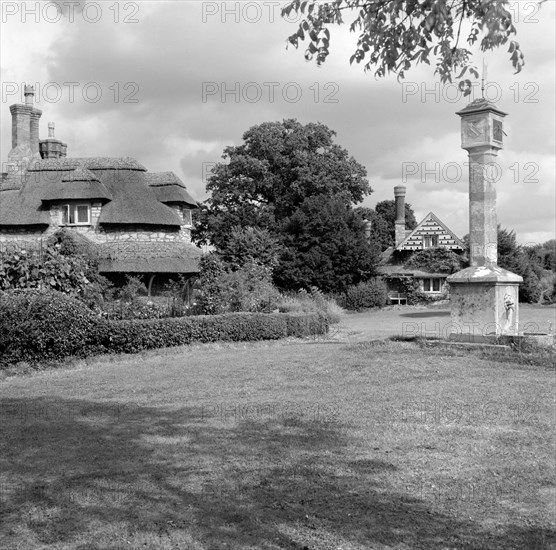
(172, 83)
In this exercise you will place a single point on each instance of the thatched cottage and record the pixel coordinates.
(136, 222)
(431, 232)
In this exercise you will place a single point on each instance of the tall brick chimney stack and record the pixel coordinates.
(399, 194)
(21, 126)
(21, 152)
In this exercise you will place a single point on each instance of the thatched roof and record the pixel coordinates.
(169, 188)
(91, 163)
(148, 257)
(77, 184)
(133, 201)
(18, 209)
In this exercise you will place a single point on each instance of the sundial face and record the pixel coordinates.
(475, 130)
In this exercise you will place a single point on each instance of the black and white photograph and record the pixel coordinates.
(277, 274)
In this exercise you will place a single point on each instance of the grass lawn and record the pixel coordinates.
(433, 321)
(280, 445)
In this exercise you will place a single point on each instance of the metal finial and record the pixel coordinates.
(484, 78)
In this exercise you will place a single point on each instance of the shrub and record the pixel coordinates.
(133, 336)
(134, 310)
(435, 260)
(373, 293)
(132, 289)
(44, 325)
(37, 326)
(311, 302)
(75, 275)
(221, 290)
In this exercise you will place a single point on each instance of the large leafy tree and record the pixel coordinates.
(266, 183)
(326, 246)
(395, 35)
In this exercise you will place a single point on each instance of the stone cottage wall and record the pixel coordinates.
(25, 237)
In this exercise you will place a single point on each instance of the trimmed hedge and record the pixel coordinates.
(51, 325)
(45, 325)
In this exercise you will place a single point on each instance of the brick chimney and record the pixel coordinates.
(35, 116)
(399, 194)
(25, 128)
(52, 148)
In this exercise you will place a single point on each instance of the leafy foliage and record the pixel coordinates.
(75, 275)
(311, 302)
(223, 289)
(373, 293)
(41, 325)
(534, 263)
(250, 244)
(396, 35)
(262, 196)
(410, 287)
(325, 246)
(37, 326)
(439, 260)
(130, 292)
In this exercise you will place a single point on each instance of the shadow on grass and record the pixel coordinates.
(95, 475)
(426, 314)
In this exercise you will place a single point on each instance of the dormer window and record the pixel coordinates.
(76, 214)
(186, 212)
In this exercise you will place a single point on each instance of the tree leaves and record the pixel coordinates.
(259, 193)
(396, 35)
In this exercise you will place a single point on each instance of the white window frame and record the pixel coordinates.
(66, 211)
(430, 281)
(431, 239)
(187, 216)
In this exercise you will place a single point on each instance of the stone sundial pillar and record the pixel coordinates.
(484, 297)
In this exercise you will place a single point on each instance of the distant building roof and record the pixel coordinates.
(432, 225)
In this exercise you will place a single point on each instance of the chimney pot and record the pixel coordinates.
(29, 92)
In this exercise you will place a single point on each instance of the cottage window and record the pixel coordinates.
(187, 216)
(76, 214)
(431, 285)
(430, 241)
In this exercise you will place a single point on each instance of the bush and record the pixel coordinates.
(222, 290)
(435, 260)
(311, 302)
(38, 325)
(373, 293)
(137, 309)
(130, 292)
(135, 336)
(51, 269)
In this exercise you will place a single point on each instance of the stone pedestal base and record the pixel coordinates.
(484, 301)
